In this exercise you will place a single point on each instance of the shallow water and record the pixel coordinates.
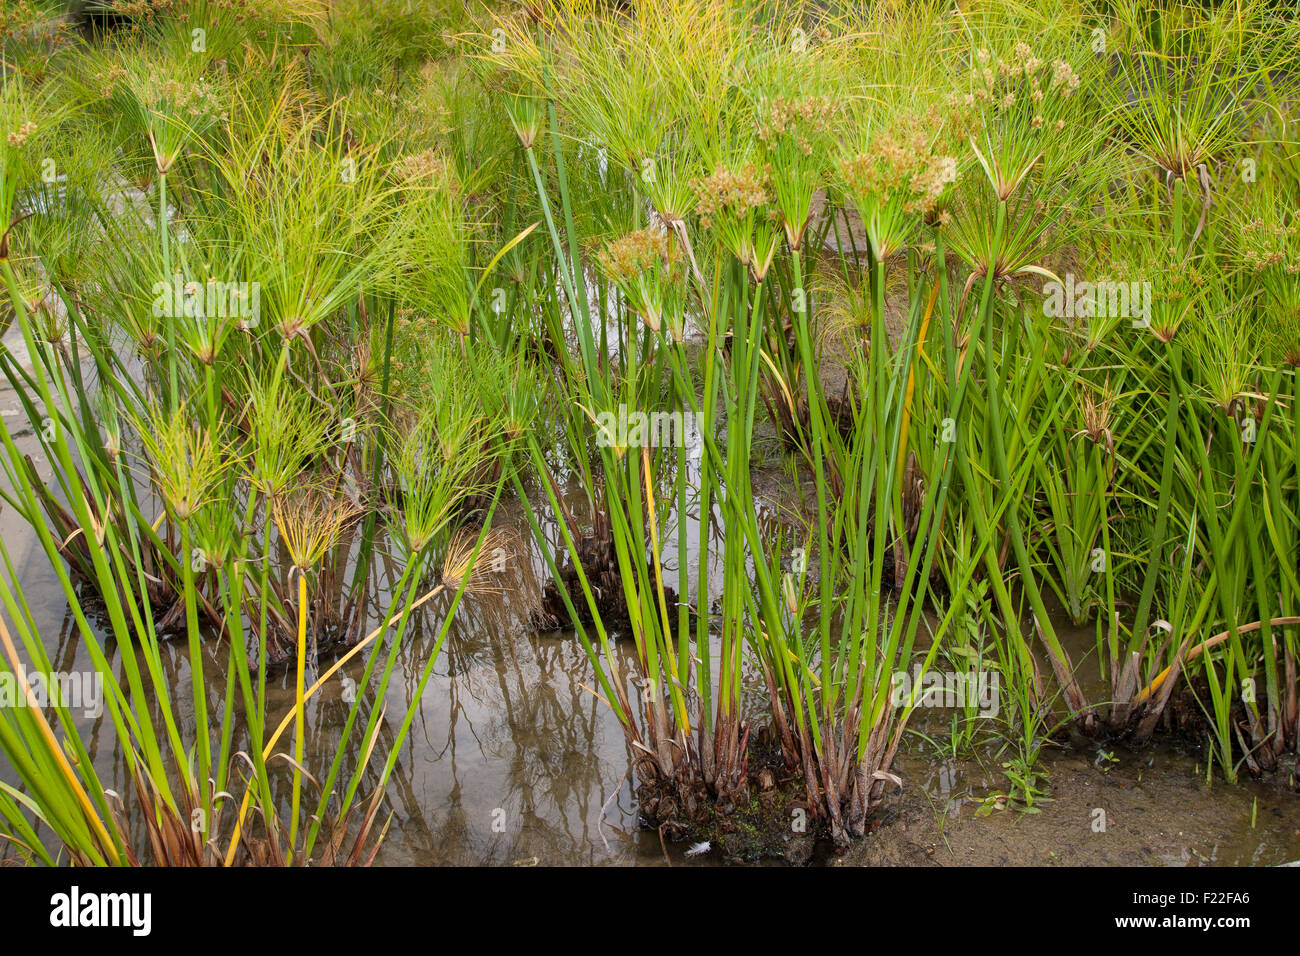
(512, 760)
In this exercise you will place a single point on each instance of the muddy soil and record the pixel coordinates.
(1149, 808)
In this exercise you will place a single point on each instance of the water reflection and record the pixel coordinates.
(511, 759)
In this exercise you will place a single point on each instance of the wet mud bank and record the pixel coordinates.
(1107, 808)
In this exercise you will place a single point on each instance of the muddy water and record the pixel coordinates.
(512, 760)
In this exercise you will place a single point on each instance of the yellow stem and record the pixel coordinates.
(911, 384)
(1206, 645)
(320, 682)
(678, 705)
(298, 706)
(87, 808)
